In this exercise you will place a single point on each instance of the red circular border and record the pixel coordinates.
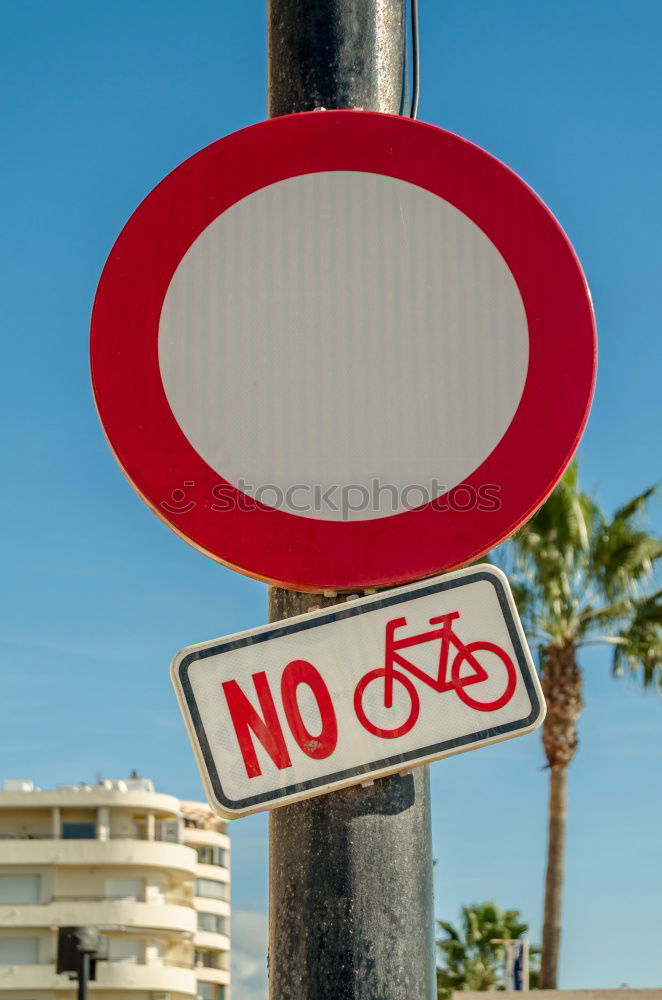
(305, 553)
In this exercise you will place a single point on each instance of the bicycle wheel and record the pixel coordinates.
(403, 728)
(505, 681)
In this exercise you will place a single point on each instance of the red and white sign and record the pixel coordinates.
(343, 350)
(367, 688)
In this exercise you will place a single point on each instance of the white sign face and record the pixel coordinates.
(319, 322)
(371, 687)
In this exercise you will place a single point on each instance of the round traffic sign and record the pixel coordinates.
(343, 350)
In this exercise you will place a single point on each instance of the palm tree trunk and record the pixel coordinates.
(562, 686)
(551, 932)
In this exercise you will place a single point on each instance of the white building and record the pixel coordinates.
(150, 871)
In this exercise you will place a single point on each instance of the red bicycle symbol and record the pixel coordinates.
(467, 656)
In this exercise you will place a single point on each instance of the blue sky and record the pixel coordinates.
(100, 101)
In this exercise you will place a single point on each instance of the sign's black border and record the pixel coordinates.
(335, 615)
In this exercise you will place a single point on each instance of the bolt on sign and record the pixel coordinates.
(368, 688)
(343, 350)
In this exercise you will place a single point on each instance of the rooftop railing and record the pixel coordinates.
(113, 836)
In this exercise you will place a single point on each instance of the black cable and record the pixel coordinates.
(415, 60)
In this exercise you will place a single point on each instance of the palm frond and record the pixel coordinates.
(640, 649)
(578, 576)
(637, 505)
(552, 549)
(624, 553)
(604, 617)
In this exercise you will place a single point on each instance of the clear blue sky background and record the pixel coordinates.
(99, 101)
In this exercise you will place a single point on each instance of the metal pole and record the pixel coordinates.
(83, 975)
(526, 975)
(335, 54)
(351, 872)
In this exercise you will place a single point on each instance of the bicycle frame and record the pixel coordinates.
(447, 636)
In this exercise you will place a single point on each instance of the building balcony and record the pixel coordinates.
(218, 873)
(205, 904)
(172, 978)
(213, 975)
(96, 853)
(100, 912)
(93, 797)
(204, 838)
(211, 941)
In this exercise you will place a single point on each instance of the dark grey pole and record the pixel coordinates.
(351, 872)
(335, 54)
(83, 975)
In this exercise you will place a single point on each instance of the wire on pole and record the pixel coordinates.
(415, 60)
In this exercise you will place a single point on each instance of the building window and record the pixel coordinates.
(20, 888)
(170, 831)
(126, 951)
(211, 959)
(79, 831)
(210, 991)
(213, 856)
(126, 888)
(213, 922)
(19, 951)
(211, 889)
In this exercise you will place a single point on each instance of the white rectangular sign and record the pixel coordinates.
(364, 689)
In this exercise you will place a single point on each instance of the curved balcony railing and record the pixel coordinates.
(170, 963)
(102, 913)
(81, 897)
(113, 976)
(156, 839)
(135, 853)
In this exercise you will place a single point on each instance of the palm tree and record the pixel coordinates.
(577, 579)
(471, 960)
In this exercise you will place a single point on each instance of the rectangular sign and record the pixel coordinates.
(358, 691)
